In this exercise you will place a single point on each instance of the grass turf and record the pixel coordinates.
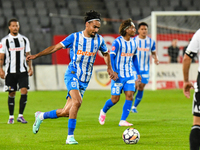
(164, 120)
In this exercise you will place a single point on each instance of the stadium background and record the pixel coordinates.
(47, 22)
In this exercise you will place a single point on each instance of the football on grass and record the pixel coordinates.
(131, 136)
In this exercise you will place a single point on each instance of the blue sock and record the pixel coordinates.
(108, 105)
(50, 114)
(138, 98)
(126, 109)
(71, 126)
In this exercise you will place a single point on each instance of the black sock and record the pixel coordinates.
(195, 138)
(22, 103)
(11, 105)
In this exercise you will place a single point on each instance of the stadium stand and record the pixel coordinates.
(39, 27)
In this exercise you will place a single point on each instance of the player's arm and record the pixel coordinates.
(155, 57)
(30, 68)
(2, 73)
(190, 53)
(113, 75)
(48, 50)
(186, 84)
(136, 66)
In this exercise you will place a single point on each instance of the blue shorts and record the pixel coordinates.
(145, 77)
(125, 84)
(72, 83)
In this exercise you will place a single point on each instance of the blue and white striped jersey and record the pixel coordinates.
(83, 51)
(124, 52)
(145, 47)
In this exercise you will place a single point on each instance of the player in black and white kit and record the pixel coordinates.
(192, 50)
(15, 47)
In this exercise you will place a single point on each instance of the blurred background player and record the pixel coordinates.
(123, 57)
(173, 52)
(83, 49)
(191, 51)
(146, 47)
(15, 47)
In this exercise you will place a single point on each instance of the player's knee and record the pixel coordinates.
(77, 102)
(141, 88)
(24, 91)
(129, 97)
(115, 99)
(12, 94)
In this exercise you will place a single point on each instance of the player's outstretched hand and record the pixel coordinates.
(186, 88)
(30, 57)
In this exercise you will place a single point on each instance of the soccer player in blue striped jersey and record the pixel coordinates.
(146, 47)
(83, 49)
(123, 58)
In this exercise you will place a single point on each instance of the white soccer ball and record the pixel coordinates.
(131, 136)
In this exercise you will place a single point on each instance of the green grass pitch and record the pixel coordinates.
(164, 121)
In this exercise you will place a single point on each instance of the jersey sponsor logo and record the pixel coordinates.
(1, 45)
(113, 48)
(102, 77)
(126, 54)
(80, 52)
(143, 49)
(16, 49)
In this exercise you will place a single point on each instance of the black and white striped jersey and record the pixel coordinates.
(194, 46)
(15, 48)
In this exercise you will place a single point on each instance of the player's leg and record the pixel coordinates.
(11, 87)
(53, 114)
(115, 95)
(126, 108)
(195, 131)
(129, 88)
(76, 103)
(11, 106)
(23, 86)
(22, 105)
(109, 103)
(138, 97)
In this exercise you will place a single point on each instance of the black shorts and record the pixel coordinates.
(196, 98)
(15, 81)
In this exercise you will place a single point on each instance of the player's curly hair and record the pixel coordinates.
(12, 20)
(123, 26)
(92, 15)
